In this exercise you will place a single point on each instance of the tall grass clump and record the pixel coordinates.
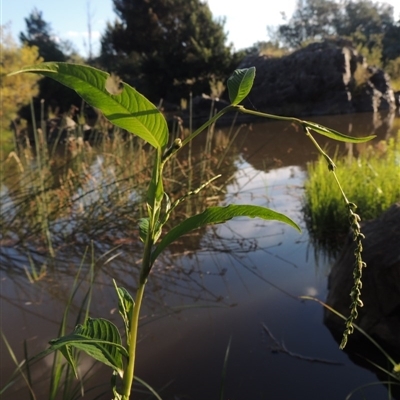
(371, 180)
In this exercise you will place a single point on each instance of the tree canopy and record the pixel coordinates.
(39, 34)
(166, 48)
(360, 20)
(16, 90)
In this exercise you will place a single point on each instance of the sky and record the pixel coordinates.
(246, 20)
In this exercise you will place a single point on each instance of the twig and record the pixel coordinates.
(281, 348)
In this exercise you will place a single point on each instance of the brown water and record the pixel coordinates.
(228, 282)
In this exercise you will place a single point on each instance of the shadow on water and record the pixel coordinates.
(226, 281)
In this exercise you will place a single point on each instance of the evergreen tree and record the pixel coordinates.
(166, 48)
(39, 34)
(58, 98)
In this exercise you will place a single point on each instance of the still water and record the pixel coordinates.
(235, 283)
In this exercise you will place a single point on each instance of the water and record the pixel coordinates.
(235, 282)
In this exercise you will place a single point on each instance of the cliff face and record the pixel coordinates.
(323, 78)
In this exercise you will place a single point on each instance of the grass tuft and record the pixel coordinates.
(371, 181)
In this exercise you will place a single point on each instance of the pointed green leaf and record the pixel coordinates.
(125, 305)
(67, 353)
(99, 338)
(331, 133)
(124, 106)
(217, 215)
(240, 84)
(143, 228)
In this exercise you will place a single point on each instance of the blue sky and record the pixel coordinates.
(246, 20)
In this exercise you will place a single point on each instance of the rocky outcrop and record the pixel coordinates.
(380, 316)
(323, 78)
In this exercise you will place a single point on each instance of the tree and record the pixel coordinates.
(166, 48)
(391, 54)
(391, 43)
(363, 21)
(39, 34)
(16, 90)
(370, 18)
(311, 20)
(57, 98)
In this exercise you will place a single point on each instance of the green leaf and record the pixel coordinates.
(217, 215)
(240, 84)
(143, 228)
(124, 106)
(67, 353)
(125, 306)
(98, 338)
(331, 133)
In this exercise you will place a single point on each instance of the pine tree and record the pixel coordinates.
(167, 48)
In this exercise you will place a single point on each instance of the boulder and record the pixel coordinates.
(380, 315)
(323, 78)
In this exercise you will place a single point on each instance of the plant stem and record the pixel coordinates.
(243, 110)
(129, 372)
(207, 124)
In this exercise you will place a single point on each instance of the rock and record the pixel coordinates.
(380, 316)
(321, 79)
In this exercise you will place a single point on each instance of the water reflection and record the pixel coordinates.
(220, 282)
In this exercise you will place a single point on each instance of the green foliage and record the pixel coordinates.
(218, 215)
(63, 376)
(125, 108)
(368, 24)
(311, 20)
(166, 48)
(16, 91)
(391, 43)
(240, 84)
(128, 109)
(366, 16)
(371, 181)
(331, 133)
(125, 306)
(39, 34)
(393, 69)
(97, 337)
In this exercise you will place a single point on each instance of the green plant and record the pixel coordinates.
(62, 378)
(129, 110)
(371, 180)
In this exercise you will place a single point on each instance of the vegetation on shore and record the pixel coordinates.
(371, 179)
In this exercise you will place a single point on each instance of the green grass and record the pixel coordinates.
(370, 180)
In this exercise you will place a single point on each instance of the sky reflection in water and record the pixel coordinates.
(244, 273)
